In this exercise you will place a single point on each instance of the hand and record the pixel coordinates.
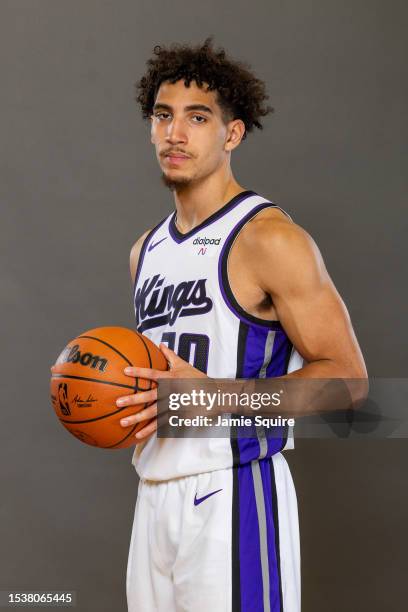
(178, 369)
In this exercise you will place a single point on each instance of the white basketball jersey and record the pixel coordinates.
(182, 298)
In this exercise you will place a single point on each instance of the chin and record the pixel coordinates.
(176, 182)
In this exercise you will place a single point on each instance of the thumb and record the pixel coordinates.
(170, 355)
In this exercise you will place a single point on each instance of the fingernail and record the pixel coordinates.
(124, 422)
(128, 370)
(120, 402)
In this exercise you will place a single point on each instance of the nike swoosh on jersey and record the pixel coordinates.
(201, 499)
(153, 245)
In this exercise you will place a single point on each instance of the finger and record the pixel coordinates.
(146, 431)
(143, 397)
(148, 373)
(143, 415)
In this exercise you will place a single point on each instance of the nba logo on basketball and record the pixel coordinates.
(63, 398)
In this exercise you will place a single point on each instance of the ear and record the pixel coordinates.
(235, 133)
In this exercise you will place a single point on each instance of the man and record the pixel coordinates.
(229, 287)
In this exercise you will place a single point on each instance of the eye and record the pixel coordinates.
(199, 119)
(161, 115)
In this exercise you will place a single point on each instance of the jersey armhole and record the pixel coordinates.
(224, 284)
(143, 251)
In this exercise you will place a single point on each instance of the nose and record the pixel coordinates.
(176, 132)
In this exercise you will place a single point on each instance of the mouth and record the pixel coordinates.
(175, 158)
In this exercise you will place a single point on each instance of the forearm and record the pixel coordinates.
(353, 376)
(319, 387)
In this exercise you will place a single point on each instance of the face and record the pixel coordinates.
(190, 135)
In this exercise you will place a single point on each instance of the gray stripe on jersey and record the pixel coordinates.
(270, 339)
(263, 536)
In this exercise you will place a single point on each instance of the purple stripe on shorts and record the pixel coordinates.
(249, 448)
(276, 440)
(249, 546)
(272, 538)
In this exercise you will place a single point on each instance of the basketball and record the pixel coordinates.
(88, 378)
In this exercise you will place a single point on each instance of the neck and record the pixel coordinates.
(197, 202)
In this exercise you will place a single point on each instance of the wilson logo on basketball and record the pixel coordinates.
(72, 354)
(157, 304)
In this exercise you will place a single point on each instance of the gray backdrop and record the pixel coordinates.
(79, 183)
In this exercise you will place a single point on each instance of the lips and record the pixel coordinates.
(175, 158)
(176, 155)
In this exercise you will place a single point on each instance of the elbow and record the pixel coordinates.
(357, 382)
(359, 386)
(355, 369)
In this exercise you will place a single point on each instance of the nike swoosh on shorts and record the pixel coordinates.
(201, 499)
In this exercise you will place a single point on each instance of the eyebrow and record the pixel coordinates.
(190, 107)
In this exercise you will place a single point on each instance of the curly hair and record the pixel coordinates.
(240, 94)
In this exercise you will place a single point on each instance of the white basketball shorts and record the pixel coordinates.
(221, 541)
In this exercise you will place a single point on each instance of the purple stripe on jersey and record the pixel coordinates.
(277, 366)
(223, 281)
(254, 353)
(249, 546)
(272, 538)
(276, 437)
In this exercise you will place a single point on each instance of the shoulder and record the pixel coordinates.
(135, 253)
(272, 234)
(279, 252)
(137, 247)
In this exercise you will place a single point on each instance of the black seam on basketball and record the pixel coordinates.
(109, 345)
(150, 359)
(102, 382)
(122, 440)
(104, 416)
(147, 350)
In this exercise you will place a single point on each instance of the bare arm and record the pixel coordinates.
(135, 253)
(310, 310)
(307, 303)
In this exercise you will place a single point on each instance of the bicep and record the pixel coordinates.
(316, 320)
(308, 305)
